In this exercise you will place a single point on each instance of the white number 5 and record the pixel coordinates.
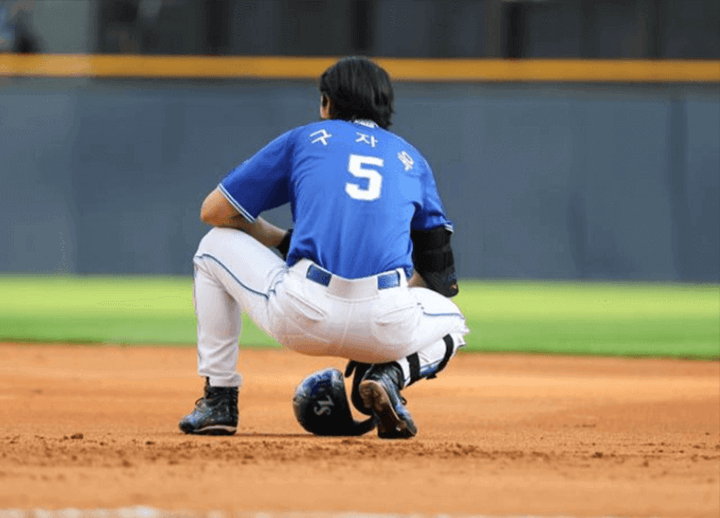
(355, 166)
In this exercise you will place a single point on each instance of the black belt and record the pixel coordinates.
(384, 280)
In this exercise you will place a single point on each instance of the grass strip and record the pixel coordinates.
(578, 318)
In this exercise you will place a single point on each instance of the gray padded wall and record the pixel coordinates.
(542, 181)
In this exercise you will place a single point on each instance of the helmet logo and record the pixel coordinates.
(324, 406)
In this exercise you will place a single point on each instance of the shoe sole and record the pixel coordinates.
(217, 429)
(390, 424)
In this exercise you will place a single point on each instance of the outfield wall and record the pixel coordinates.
(552, 180)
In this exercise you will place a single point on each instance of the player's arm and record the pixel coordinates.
(430, 234)
(217, 211)
(434, 260)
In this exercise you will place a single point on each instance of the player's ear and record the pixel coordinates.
(325, 107)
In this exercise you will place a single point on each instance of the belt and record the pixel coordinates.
(384, 280)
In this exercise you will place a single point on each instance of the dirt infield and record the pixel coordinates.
(96, 427)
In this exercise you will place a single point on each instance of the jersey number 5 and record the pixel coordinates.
(374, 179)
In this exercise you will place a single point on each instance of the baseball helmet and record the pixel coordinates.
(321, 406)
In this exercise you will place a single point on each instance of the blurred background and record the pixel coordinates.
(581, 179)
(678, 29)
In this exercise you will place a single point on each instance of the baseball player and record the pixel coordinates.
(369, 232)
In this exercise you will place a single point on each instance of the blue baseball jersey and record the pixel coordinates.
(355, 192)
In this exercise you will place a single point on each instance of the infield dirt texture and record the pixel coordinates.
(96, 428)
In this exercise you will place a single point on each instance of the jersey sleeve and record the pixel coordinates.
(261, 182)
(431, 212)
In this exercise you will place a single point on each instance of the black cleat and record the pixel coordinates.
(214, 414)
(380, 391)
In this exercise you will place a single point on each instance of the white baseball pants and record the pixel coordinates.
(359, 319)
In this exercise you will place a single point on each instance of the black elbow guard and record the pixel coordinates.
(434, 261)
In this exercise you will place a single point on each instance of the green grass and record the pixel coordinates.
(593, 318)
(618, 319)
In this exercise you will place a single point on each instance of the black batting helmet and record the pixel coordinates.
(321, 406)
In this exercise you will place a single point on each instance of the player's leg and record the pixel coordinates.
(380, 387)
(219, 324)
(429, 361)
(436, 337)
(233, 272)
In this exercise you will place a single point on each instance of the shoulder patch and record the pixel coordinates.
(406, 160)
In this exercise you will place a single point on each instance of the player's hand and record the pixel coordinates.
(284, 246)
(416, 281)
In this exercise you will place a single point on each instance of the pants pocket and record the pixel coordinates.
(396, 325)
(303, 310)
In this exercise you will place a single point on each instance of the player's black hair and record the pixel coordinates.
(359, 89)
